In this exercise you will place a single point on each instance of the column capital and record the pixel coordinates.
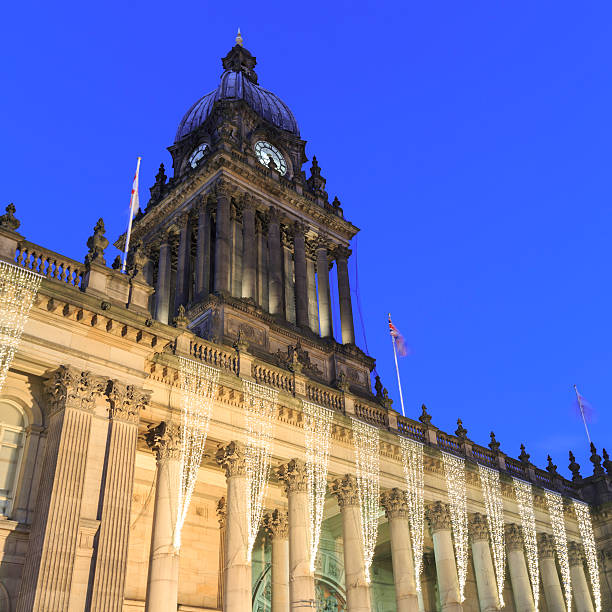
(299, 228)
(478, 526)
(276, 524)
(262, 221)
(274, 215)
(182, 220)
(342, 253)
(224, 189)
(293, 475)
(575, 554)
(164, 440)
(321, 242)
(69, 387)
(126, 401)
(311, 249)
(395, 503)
(221, 512)
(346, 491)
(438, 515)
(231, 458)
(546, 545)
(514, 536)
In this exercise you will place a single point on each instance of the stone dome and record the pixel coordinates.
(239, 82)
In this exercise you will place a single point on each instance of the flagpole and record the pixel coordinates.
(578, 397)
(399, 382)
(129, 229)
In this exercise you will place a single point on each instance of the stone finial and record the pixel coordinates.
(494, 444)
(551, 468)
(157, 190)
(276, 524)
(221, 512)
(606, 462)
(96, 244)
(524, 456)
(116, 265)
(126, 401)
(336, 203)
(438, 515)
(425, 417)
(164, 440)
(574, 468)
(137, 260)
(514, 536)
(293, 475)
(546, 546)
(231, 458)
(316, 182)
(378, 387)
(346, 491)
(575, 553)
(8, 220)
(69, 387)
(181, 321)
(395, 503)
(596, 461)
(461, 431)
(478, 526)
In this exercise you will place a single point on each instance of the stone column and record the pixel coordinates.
(357, 585)
(275, 524)
(287, 239)
(553, 592)
(183, 265)
(221, 517)
(486, 582)
(162, 582)
(301, 578)
(126, 402)
(396, 509)
(301, 282)
(33, 455)
(521, 585)
(237, 591)
(222, 238)
(275, 268)
(325, 312)
(236, 270)
(249, 252)
(261, 227)
(162, 291)
(202, 272)
(311, 282)
(439, 519)
(48, 572)
(344, 293)
(580, 587)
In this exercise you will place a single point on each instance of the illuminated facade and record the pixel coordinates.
(194, 434)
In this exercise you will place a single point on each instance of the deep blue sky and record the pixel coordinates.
(469, 140)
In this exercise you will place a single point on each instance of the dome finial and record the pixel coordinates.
(239, 38)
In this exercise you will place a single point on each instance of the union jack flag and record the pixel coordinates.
(398, 339)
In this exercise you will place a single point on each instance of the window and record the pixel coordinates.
(12, 437)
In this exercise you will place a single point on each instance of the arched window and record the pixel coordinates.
(12, 437)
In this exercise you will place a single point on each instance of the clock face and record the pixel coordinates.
(266, 152)
(197, 155)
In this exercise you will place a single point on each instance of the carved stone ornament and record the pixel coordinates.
(514, 536)
(346, 491)
(438, 515)
(395, 503)
(231, 458)
(342, 253)
(69, 387)
(479, 527)
(575, 553)
(8, 220)
(96, 244)
(126, 401)
(224, 189)
(164, 440)
(293, 475)
(546, 546)
(276, 524)
(221, 512)
(137, 260)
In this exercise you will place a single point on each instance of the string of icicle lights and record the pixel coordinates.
(367, 455)
(583, 515)
(454, 471)
(317, 432)
(18, 288)
(494, 506)
(199, 385)
(260, 407)
(524, 498)
(554, 501)
(412, 460)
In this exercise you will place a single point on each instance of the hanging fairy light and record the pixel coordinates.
(317, 431)
(494, 505)
(524, 498)
(412, 460)
(260, 407)
(554, 501)
(583, 516)
(199, 385)
(454, 471)
(18, 288)
(367, 454)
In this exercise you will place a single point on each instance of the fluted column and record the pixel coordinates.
(344, 294)
(162, 581)
(288, 286)
(553, 592)
(357, 586)
(438, 516)
(249, 251)
(236, 273)
(325, 313)
(301, 283)
(580, 587)
(183, 266)
(521, 585)
(275, 268)
(261, 227)
(164, 271)
(396, 509)
(483, 563)
(222, 238)
(221, 517)
(275, 524)
(237, 591)
(202, 272)
(47, 577)
(301, 580)
(311, 282)
(126, 402)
